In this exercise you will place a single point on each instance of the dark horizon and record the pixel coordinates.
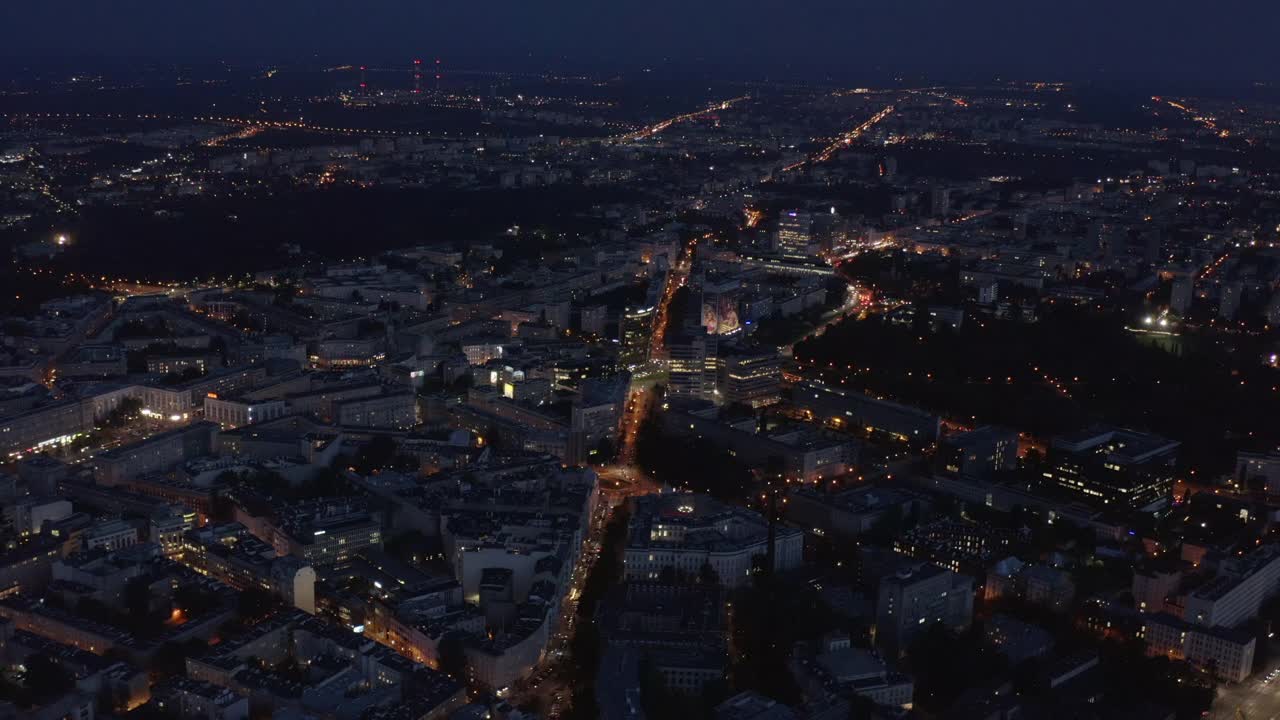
(1170, 43)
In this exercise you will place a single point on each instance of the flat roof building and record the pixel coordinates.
(1111, 466)
(683, 533)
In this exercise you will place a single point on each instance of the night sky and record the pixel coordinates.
(1206, 41)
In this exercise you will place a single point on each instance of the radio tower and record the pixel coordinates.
(363, 84)
(439, 74)
(417, 76)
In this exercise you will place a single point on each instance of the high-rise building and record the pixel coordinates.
(691, 366)
(795, 232)
(1181, 295)
(752, 378)
(635, 330)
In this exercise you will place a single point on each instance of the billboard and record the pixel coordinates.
(720, 313)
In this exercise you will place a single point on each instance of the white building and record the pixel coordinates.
(111, 535)
(1228, 652)
(1237, 594)
(234, 413)
(28, 515)
(686, 532)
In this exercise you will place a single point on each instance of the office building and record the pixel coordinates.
(795, 232)
(691, 364)
(1107, 466)
(956, 545)
(635, 328)
(751, 378)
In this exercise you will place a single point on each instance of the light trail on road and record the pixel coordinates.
(657, 128)
(843, 141)
(675, 280)
(1208, 123)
